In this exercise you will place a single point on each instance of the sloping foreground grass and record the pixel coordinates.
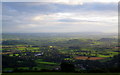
(58, 73)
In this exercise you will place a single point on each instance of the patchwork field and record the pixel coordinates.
(89, 58)
(31, 53)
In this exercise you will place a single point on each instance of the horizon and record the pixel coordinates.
(66, 32)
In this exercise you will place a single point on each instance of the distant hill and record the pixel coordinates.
(60, 35)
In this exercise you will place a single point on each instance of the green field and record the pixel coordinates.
(57, 73)
(34, 53)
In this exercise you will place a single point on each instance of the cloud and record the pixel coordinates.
(63, 1)
(75, 17)
(38, 18)
(59, 17)
(46, 8)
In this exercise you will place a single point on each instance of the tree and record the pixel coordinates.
(67, 67)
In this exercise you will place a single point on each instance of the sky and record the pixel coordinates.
(60, 16)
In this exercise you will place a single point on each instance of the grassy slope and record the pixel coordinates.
(57, 73)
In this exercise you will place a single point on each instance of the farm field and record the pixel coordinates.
(74, 54)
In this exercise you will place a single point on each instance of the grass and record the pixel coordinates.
(114, 53)
(21, 48)
(29, 48)
(41, 64)
(104, 55)
(40, 61)
(50, 63)
(59, 73)
(97, 43)
(25, 68)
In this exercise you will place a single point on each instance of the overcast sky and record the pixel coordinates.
(60, 16)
